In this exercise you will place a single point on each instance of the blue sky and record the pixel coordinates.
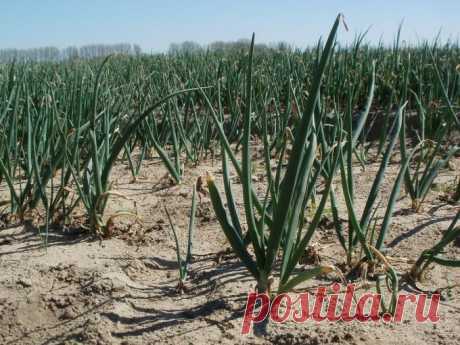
(155, 24)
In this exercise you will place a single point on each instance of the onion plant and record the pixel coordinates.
(277, 228)
(456, 196)
(431, 158)
(434, 254)
(92, 179)
(183, 263)
(360, 229)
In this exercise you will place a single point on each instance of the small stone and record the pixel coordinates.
(24, 282)
(68, 314)
(348, 337)
(118, 285)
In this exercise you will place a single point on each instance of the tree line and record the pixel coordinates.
(55, 54)
(222, 46)
(91, 51)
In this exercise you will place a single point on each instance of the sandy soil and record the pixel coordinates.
(79, 290)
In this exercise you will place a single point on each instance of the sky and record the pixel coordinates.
(155, 24)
